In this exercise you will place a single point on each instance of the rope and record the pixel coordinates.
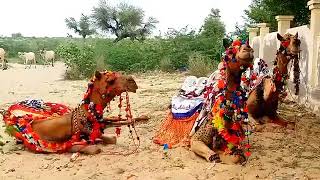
(303, 78)
(131, 136)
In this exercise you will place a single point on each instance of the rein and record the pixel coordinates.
(95, 119)
(296, 58)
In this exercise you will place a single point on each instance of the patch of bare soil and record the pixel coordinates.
(276, 153)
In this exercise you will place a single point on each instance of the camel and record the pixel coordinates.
(52, 127)
(213, 139)
(265, 110)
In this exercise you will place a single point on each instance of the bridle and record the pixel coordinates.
(290, 56)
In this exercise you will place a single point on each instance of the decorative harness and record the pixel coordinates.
(282, 78)
(233, 112)
(92, 121)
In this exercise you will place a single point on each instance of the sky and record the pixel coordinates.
(46, 17)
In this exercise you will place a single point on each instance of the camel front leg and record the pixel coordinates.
(109, 139)
(281, 122)
(201, 149)
(85, 149)
(201, 141)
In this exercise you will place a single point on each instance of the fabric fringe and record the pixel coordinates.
(175, 131)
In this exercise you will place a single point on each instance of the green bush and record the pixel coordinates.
(199, 65)
(82, 57)
(166, 65)
(79, 60)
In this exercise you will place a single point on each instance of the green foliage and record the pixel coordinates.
(266, 10)
(168, 53)
(123, 21)
(82, 27)
(79, 60)
(211, 35)
(166, 65)
(199, 65)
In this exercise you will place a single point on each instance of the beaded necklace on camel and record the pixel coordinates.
(95, 111)
(234, 135)
(279, 77)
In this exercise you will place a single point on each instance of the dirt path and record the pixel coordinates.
(278, 155)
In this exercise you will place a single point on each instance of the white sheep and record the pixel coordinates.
(28, 56)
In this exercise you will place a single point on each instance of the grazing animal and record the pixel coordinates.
(265, 110)
(28, 57)
(51, 127)
(48, 56)
(219, 135)
(3, 61)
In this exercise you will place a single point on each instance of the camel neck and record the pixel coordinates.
(95, 102)
(233, 82)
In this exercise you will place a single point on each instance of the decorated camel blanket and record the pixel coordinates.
(19, 119)
(185, 107)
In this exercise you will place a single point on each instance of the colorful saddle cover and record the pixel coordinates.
(19, 119)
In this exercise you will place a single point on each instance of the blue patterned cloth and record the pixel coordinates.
(33, 103)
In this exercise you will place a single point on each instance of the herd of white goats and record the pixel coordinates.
(29, 57)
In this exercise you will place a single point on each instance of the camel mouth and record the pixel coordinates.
(132, 87)
(295, 52)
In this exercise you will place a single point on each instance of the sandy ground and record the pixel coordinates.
(281, 154)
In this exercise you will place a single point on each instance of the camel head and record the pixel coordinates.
(239, 58)
(113, 83)
(291, 43)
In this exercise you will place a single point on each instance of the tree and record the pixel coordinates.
(212, 33)
(266, 10)
(82, 27)
(123, 21)
(240, 32)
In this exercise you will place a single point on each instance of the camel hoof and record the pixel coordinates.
(230, 159)
(214, 158)
(109, 139)
(91, 150)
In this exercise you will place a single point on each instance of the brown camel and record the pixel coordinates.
(206, 142)
(265, 110)
(76, 126)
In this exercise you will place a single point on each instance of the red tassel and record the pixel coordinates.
(118, 131)
(248, 153)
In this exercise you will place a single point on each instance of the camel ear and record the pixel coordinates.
(97, 75)
(296, 36)
(279, 37)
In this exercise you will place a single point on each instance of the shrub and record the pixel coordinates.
(199, 65)
(79, 60)
(166, 65)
